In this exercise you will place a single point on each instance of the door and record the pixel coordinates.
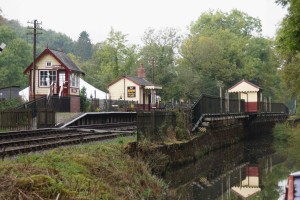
(62, 86)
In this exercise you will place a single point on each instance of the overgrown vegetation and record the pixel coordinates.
(93, 171)
(4, 104)
(173, 128)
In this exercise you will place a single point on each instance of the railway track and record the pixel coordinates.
(13, 143)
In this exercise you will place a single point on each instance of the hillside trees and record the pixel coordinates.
(288, 46)
(14, 59)
(159, 49)
(226, 47)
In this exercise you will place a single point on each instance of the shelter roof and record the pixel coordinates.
(244, 86)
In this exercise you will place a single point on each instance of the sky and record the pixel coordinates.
(132, 17)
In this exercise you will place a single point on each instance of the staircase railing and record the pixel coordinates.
(207, 104)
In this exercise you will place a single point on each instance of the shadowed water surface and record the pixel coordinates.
(231, 173)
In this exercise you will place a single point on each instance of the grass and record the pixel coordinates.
(91, 171)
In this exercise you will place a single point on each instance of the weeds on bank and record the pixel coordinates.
(92, 171)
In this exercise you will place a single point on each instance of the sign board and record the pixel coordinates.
(131, 91)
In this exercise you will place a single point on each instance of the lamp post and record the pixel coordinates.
(220, 84)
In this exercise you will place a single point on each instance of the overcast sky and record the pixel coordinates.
(132, 17)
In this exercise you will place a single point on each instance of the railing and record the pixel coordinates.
(207, 104)
(15, 120)
(58, 104)
(273, 108)
(21, 119)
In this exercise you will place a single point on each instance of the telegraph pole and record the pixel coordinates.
(220, 85)
(153, 70)
(35, 33)
(35, 27)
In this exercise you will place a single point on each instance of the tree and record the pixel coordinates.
(161, 47)
(84, 103)
(236, 21)
(112, 58)
(288, 46)
(225, 47)
(84, 46)
(16, 57)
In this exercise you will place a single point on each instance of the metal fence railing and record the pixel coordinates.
(207, 104)
(273, 107)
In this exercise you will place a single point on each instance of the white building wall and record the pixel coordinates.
(119, 89)
(249, 97)
(41, 65)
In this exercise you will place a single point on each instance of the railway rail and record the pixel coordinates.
(13, 143)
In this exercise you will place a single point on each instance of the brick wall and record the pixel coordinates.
(74, 104)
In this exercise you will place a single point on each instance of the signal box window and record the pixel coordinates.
(47, 77)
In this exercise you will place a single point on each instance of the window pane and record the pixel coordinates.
(47, 77)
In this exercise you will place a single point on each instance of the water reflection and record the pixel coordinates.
(250, 185)
(227, 173)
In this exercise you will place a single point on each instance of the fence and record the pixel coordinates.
(21, 119)
(273, 107)
(207, 104)
(58, 104)
(16, 119)
(45, 118)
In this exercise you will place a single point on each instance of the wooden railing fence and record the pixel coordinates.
(21, 119)
(13, 120)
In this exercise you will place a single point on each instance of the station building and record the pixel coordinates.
(135, 88)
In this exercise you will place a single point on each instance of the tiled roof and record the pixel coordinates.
(66, 60)
(139, 81)
(62, 58)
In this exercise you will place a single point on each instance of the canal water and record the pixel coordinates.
(251, 168)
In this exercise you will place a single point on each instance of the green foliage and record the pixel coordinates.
(182, 125)
(160, 47)
(226, 47)
(84, 46)
(111, 59)
(288, 46)
(236, 22)
(5, 104)
(84, 103)
(94, 171)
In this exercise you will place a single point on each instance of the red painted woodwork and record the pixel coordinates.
(251, 107)
(252, 171)
(45, 52)
(290, 192)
